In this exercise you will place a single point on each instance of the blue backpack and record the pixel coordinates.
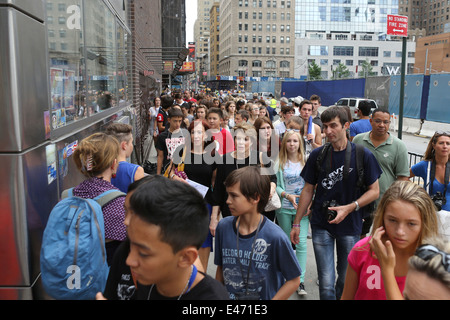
(73, 255)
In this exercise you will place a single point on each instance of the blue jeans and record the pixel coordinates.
(323, 243)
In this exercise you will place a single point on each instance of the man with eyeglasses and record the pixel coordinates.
(390, 152)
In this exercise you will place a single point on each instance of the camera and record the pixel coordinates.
(331, 214)
(439, 200)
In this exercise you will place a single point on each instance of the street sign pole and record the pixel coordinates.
(398, 26)
(402, 89)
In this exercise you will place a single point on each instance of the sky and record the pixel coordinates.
(191, 16)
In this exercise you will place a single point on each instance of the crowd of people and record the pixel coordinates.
(233, 182)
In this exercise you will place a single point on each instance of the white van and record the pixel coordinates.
(353, 103)
(265, 95)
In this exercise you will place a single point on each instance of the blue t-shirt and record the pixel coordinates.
(273, 261)
(360, 126)
(344, 192)
(420, 169)
(124, 175)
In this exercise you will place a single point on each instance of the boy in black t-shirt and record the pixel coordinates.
(169, 140)
(164, 242)
(162, 117)
(120, 284)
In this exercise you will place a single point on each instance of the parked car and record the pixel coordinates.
(265, 95)
(353, 103)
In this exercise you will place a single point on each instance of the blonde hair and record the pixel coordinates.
(96, 153)
(282, 157)
(248, 129)
(249, 132)
(409, 192)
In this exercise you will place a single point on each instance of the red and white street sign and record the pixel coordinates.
(397, 25)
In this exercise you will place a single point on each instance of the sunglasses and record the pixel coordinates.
(442, 133)
(428, 252)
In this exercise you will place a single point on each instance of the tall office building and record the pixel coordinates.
(173, 23)
(330, 32)
(201, 38)
(173, 34)
(257, 38)
(426, 17)
(357, 17)
(201, 26)
(214, 39)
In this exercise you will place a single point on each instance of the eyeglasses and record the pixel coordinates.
(378, 121)
(428, 252)
(293, 130)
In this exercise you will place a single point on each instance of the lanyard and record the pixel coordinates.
(188, 284)
(432, 173)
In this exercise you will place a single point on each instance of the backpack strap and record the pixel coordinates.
(67, 193)
(108, 196)
(433, 175)
(321, 157)
(360, 165)
(348, 157)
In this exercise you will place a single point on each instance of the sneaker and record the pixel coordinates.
(301, 290)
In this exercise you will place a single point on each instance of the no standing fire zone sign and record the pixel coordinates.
(397, 25)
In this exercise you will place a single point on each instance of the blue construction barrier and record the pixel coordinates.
(438, 100)
(426, 97)
(329, 91)
(412, 103)
(263, 86)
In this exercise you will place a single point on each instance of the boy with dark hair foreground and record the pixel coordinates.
(254, 257)
(168, 224)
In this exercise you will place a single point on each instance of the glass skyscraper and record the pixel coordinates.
(344, 16)
(348, 32)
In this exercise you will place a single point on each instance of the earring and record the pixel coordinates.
(113, 175)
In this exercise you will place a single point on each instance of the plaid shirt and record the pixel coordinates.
(113, 212)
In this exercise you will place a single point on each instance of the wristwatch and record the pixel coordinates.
(357, 205)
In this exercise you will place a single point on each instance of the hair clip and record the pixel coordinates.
(89, 163)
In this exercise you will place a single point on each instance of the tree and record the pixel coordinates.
(341, 72)
(366, 69)
(315, 72)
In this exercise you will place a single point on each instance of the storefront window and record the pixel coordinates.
(101, 57)
(90, 60)
(123, 66)
(65, 40)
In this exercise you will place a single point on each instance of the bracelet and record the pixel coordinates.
(357, 205)
(296, 226)
(173, 174)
